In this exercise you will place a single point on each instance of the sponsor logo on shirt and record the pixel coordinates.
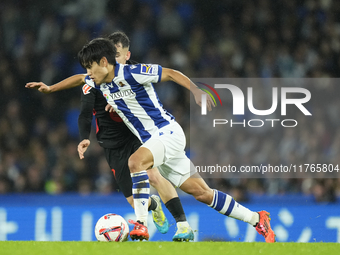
(86, 89)
(121, 94)
(149, 69)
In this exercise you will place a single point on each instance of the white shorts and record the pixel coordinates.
(167, 148)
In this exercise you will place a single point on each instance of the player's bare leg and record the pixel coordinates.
(138, 163)
(155, 205)
(165, 189)
(171, 200)
(167, 192)
(225, 204)
(198, 188)
(143, 159)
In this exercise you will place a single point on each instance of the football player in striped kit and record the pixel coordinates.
(119, 143)
(129, 90)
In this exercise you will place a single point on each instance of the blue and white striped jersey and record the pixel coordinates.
(134, 98)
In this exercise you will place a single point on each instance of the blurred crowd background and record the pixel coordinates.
(230, 38)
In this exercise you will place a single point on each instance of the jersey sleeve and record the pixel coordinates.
(89, 82)
(146, 73)
(86, 111)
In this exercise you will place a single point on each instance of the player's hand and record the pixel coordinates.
(82, 147)
(40, 86)
(198, 98)
(109, 108)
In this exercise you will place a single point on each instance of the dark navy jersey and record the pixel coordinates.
(111, 131)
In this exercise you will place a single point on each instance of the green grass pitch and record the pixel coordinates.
(164, 248)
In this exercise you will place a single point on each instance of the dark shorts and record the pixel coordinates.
(118, 162)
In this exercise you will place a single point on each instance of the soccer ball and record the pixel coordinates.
(111, 228)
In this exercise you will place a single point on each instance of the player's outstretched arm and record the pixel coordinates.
(178, 77)
(68, 83)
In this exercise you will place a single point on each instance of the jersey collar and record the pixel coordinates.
(116, 69)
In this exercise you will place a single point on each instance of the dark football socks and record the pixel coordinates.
(174, 206)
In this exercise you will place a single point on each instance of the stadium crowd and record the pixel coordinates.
(248, 39)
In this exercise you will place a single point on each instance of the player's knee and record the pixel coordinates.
(139, 162)
(134, 164)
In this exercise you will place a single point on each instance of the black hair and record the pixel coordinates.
(95, 50)
(119, 37)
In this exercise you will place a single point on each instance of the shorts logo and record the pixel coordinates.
(86, 89)
(149, 69)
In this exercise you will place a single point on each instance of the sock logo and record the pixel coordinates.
(143, 202)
